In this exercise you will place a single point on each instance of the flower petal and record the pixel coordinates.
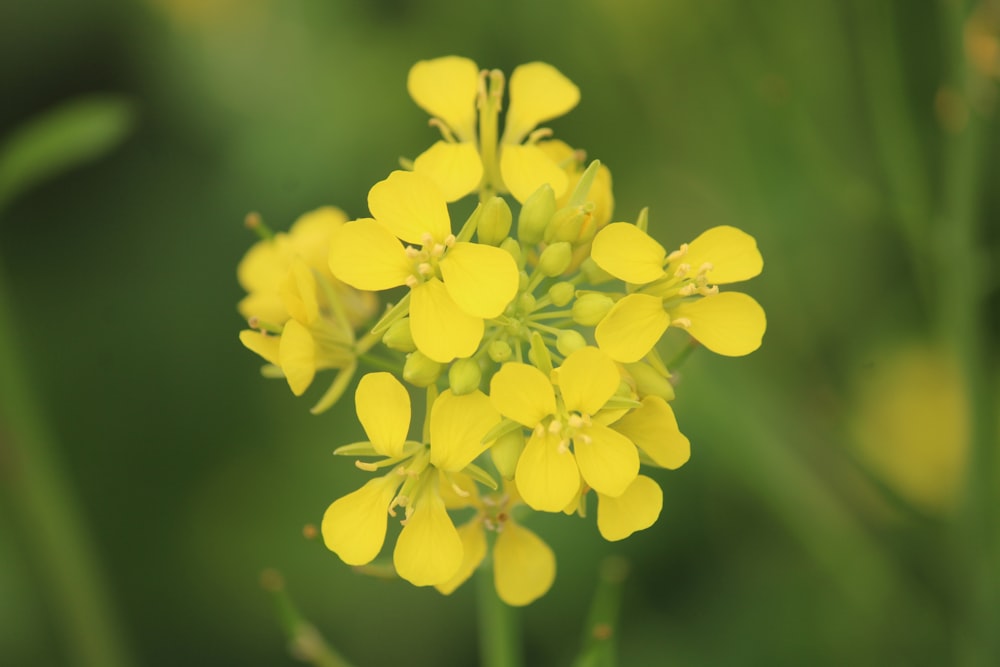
(410, 205)
(538, 92)
(609, 462)
(628, 253)
(311, 232)
(383, 407)
(524, 566)
(525, 168)
(653, 429)
(728, 323)
(354, 526)
(266, 345)
(732, 252)
(636, 509)
(456, 168)
(446, 88)
(298, 293)
(458, 424)
(429, 549)
(441, 329)
(547, 477)
(522, 393)
(366, 255)
(297, 356)
(481, 279)
(587, 379)
(632, 327)
(473, 551)
(265, 263)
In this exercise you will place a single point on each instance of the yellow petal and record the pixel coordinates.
(311, 232)
(265, 345)
(458, 424)
(265, 264)
(267, 306)
(354, 526)
(383, 408)
(632, 327)
(609, 462)
(298, 292)
(587, 379)
(440, 329)
(538, 92)
(446, 88)
(636, 509)
(480, 278)
(628, 253)
(728, 323)
(524, 566)
(456, 168)
(297, 356)
(473, 551)
(524, 169)
(547, 477)
(653, 429)
(410, 205)
(733, 254)
(522, 393)
(429, 549)
(366, 255)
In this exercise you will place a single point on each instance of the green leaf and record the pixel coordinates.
(58, 140)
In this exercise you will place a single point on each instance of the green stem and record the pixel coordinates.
(600, 639)
(53, 528)
(499, 630)
(305, 641)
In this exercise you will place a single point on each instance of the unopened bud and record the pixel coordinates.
(513, 248)
(398, 336)
(499, 351)
(567, 223)
(555, 258)
(506, 451)
(464, 376)
(594, 274)
(420, 370)
(536, 213)
(590, 309)
(649, 382)
(562, 293)
(570, 341)
(494, 221)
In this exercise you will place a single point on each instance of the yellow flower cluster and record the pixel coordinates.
(531, 338)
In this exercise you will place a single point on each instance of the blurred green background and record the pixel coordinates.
(840, 505)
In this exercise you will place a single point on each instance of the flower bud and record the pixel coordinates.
(464, 376)
(649, 382)
(594, 274)
(562, 293)
(398, 336)
(567, 223)
(555, 259)
(570, 341)
(590, 309)
(527, 302)
(494, 222)
(499, 351)
(420, 370)
(513, 248)
(536, 213)
(506, 451)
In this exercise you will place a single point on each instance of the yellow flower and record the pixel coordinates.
(429, 550)
(470, 156)
(548, 473)
(524, 566)
(679, 289)
(637, 508)
(453, 284)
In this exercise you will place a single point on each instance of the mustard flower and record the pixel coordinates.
(453, 284)
(470, 156)
(679, 289)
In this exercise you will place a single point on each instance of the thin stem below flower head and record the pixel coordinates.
(499, 630)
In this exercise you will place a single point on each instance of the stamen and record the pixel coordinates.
(563, 447)
(677, 254)
(411, 252)
(426, 239)
(709, 290)
(575, 421)
(688, 289)
(555, 426)
(682, 270)
(539, 430)
(438, 250)
(705, 268)
(366, 466)
(539, 134)
(411, 281)
(424, 268)
(584, 438)
(459, 491)
(682, 322)
(449, 240)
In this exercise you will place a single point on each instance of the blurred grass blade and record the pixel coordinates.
(72, 134)
(601, 632)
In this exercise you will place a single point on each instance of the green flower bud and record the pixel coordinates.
(420, 370)
(562, 293)
(590, 309)
(555, 258)
(570, 341)
(567, 223)
(398, 336)
(594, 274)
(494, 222)
(527, 302)
(499, 351)
(506, 451)
(464, 376)
(536, 213)
(513, 248)
(649, 382)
